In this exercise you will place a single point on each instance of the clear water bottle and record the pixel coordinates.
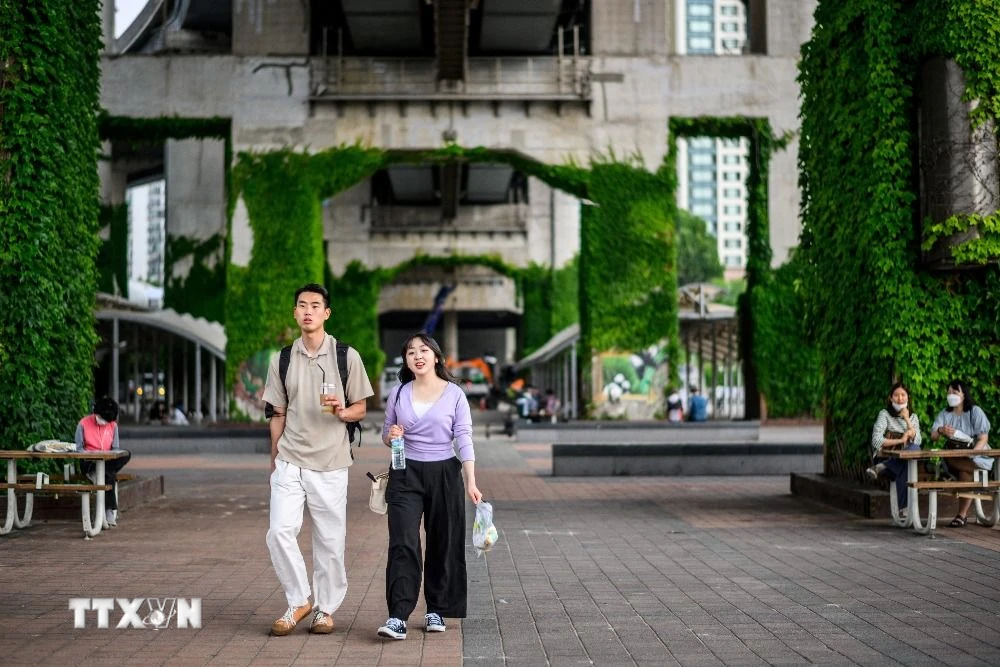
(398, 455)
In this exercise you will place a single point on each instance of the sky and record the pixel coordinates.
(125, 12)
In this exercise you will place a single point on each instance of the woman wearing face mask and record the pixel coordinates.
(896, 427)
(98, 432)
(964, 425)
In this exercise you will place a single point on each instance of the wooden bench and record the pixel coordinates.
(981, 488)
(30, 485)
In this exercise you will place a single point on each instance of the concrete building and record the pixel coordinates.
(552, 79)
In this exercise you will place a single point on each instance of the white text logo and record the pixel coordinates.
(155, 613)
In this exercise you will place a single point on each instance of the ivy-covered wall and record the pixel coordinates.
(49, 81)
(878, 313)
(201, 292)
(785, 353)
(762, 143)
(628, 260)
(112, 256)
(282, 191)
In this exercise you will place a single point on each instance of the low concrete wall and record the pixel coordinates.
(605, 432)
(684, 459)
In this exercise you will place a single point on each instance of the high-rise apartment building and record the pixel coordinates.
(155, 236)
(712, 172)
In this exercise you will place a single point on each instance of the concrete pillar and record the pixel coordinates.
(451, 334)
(187, 382)
(107, 12)
(170, 374)
(574, 411)
(213, 385)
(197, 383)
(510, 345)
(115, 355)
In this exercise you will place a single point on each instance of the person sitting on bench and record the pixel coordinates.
(964, 425)
(896, 427)
(98, 432)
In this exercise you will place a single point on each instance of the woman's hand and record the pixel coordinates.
(947, 431)
(474, 494)
(909, 436)
(395, 431)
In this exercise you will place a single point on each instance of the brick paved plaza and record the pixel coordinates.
(602, 571)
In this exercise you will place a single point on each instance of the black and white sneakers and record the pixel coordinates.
(433, 623)
(393, 628)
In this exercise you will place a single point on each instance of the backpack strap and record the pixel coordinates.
(284, 358)
(353, 428)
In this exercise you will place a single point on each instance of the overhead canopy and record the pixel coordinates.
(210, 335)
(562, 341)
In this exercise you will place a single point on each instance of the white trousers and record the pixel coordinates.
(325, 493)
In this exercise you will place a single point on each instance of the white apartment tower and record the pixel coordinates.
(712, 172)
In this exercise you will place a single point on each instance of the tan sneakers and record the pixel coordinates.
(322, 623)
(287, 623)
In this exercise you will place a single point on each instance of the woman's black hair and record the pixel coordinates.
(406, 375)
(961, 386)
(888, 401)
(106, 408)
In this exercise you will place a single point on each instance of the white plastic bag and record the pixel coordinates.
(484, 533)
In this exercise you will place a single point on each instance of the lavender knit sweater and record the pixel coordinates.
(430, 438)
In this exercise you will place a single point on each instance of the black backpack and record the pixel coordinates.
(285, 358)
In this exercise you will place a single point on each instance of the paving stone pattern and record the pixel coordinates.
(595, 571)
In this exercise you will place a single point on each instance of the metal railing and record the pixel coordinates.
(502, 218)
(488, 78)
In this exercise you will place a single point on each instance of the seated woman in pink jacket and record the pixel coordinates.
(98, 432)
(431, 413)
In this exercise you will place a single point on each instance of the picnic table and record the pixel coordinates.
(29, 485)
(981, 485)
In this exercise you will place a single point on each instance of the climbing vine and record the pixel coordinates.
(49, 79)
(763, 143)
(281, 191)
(201, 292)
(112, 256)
(877, 313)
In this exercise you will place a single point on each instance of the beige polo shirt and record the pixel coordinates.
(313, 439)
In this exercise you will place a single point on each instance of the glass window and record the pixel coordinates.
(732, 193)
(702, 176)
(703, 159)
(730, 26)
(731, 44)
(731, 176)
(728, 10)
(703, 209)
(733, 210)
(700, 142)
(700, 43)
(702, 193)
(703, 27)
(733, 260)
(700, 10)
(731, 159)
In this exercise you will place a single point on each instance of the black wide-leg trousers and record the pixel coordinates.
(435, 491)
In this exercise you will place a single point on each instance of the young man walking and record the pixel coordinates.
(310, 455)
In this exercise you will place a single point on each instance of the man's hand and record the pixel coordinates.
(331, 402)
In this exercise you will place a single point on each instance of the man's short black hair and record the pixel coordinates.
(316, 288)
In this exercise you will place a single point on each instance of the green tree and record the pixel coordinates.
(697, 252)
